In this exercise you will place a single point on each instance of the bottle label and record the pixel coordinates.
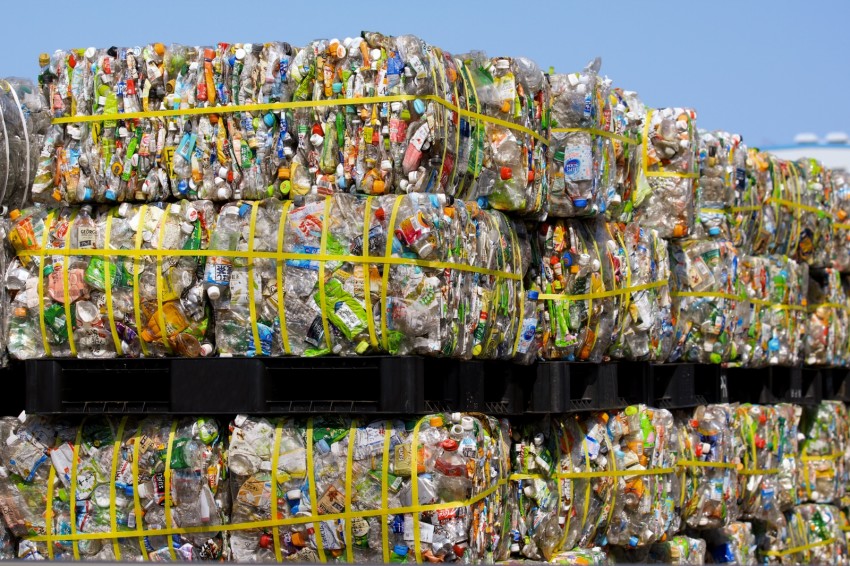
(529, 328)
(578, 163)
(218, 270)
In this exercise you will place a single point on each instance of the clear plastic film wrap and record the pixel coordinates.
(815, 537)
(115, 488)
(371, 114)
(24, 120)
(382, 491)
(665, 195)
(708, 485)
(828, 320)
(716, 183)
(583, 276)
(414, 274)
(773, 316)
(841, 215)
(141, 297)
(707, 301)
(562, 487)
(594, 145)
(645, 448)
(824, 430)
(732, 544)
(646, 329)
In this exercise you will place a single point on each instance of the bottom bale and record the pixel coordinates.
(732, 544)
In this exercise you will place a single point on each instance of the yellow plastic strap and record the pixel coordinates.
(645, 146)
(838, 306)
(709, 295)
(137, 504)
(113, 515)
(48, 222)
(587, 489)
(48, 511)
(367, 279)
(797, 549)
(601, 294)
(72, 503)
(457, 139)
(615, 471)
(840, 226)
(560, 484)
(252, 308)
(712, 211)
(700, 464)
(752, 208)
(297, 104)
(69, 320)
(806, 458)
(414, 488)
(759, 472)
(598, 132)
(797, 205)
(168, 519)
(107, 287)
(314, 502)
(349, 487)
(445, 124)
(278, 435)
(136, 267)
(160, 283)
(385, 470)
(281, 307)
(323, 248)
(388, 252)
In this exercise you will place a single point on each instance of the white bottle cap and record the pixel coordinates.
(213, 292)
(467, 423)
(206, 349)
(191, 214)
(222, 172)
(123, 209)
(386, 165)
(187, 227)
(240, 54)
(294, 495)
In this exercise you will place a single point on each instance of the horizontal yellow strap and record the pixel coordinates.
(831, 306)
(797, 549)
(601, 294)
(741, 298)
(841, 226)
(792, 204)
(746, 208)
(699, 464)
(597, 132)
(672, 174)
(299, 104)
(845, 528)
(833, 456)
(272, 523)
(601, 474)
(767, 472)
(279, 256)
(712, 210)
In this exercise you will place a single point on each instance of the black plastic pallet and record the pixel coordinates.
(802, 386)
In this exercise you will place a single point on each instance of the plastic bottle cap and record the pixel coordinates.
(419, 106)
(449, 444)
(714, 231)
(362, 347)
(476, 350)
(15, 214)
(505, 173)
(503, 64)
(317, 140)
(580, 203)
(269, 119)
(336, 88)
(240, 54)
(213, 292)
(90, 53)
(467, 423)
(426, 250)
(400, 550)
(206, 349)
(559, 155)
(533, 295)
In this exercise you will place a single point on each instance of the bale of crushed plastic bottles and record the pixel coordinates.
(24, 121)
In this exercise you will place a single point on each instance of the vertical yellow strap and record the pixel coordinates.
(684, 471)
(113, 518)
(163, 334)
(616, 480)
(457, 138)
(587, 490)
(806, 481)
(311, 484)
(521, 299)
(281, 308)
(66, 260)
(349, 486)
(446, 113)
(560, 480)
(278, 434)
(136, 266)
(107, 286)
(388, 252)
(252, 308)
(367, 279)
(48, 222)
(323, 247)
(169, 523)
(75, 461)
(385, 470)
(645, 140)
(137, 504)
(414, 486)
(48, 510)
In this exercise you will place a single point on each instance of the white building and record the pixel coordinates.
(833, 150)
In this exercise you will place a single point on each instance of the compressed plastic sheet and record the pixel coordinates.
(582, 271)
(709, 481)
(645, 332)
(464, 305)
(822, 448)
(119, 304)
(732, 544)
(491, 144)
(815, 536)
(123, 476)
(298, 470)
(24, 120)
(707, 302)
(826, 342)
(665, 194)
(645, 505)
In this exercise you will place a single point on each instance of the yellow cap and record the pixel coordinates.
(436, 421)
(15, 214)
(476, 350)
(362, 347)
(43, 59)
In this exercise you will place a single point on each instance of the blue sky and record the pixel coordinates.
(764, 69)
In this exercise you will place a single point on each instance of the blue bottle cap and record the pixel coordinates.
(482, 202)
(400, 549)
(580, 203)
(633, 541)
(601, 207)
(337, 88)
(773, 344)
(533, 295)
(110, 194)
(714, 231)
(567, 259)
(269, 119)
(87, 194)
(419, 106)
(128, 490)
(182, 186)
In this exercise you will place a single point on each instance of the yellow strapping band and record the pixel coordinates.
(385, 470)
(252, 308)
(281, 307)
(792, 204)
(48, 222)
(598, 132)
(601, 294)
(72, 498)
(66, 292)
(107, 287)
(113, 515)
(840, 226)
(834, 456)
(367, 279)
(751, 208)
(797, 549)
(740, 298)
(645, 147)
(168, 453)
(712, 211)
(414, 488)
(385, 277)
(278, 435)
(323, 302)
(349, 464)
(838, 306)
(143, 211)
(137, 504)
(160, 282)
(48, 511)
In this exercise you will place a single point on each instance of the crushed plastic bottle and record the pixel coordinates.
(818, 528)
(732, 544)
(666, 185)
(679, 549)
(715, 185)
(25, 121)
(458, 457)
(88, 470)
